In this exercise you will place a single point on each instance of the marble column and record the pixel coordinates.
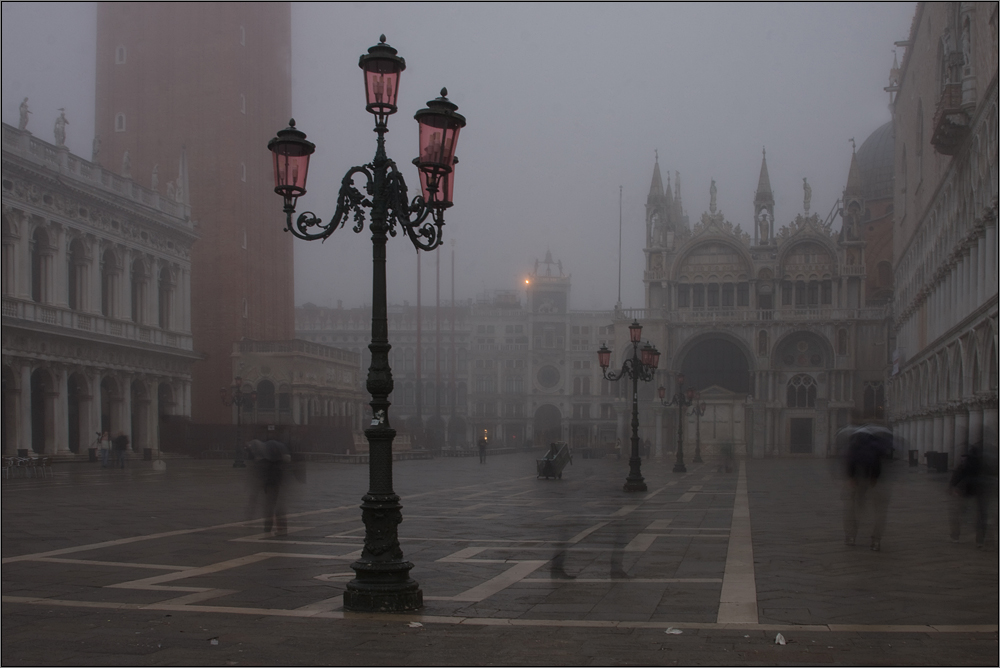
(948, 438)
(60, 412)
(961, 432)
(937, 437)
(976, 425)
(24, 410)
(990, 426)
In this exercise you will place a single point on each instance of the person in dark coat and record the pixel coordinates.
(120, 445)
(868, 450)
(271, 460)
(969, 484)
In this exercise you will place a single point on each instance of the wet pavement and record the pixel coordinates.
(142, 567)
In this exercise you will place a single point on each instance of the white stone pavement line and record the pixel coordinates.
(227, 525)
(579, 580)
(501, 621)
(738, 601)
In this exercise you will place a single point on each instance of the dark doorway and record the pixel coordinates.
(716, 362)
(548, 425)
(801, 435)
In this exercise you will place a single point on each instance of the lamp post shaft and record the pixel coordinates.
(382, 578)
(681, 406)
(635, 482)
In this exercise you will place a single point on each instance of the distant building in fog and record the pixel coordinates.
(187, 94)
(96, 296)
(781, 329)
(519, 372)
(944, 383)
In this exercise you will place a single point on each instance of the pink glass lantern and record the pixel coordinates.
(646, 354)
(440, 124)
(382, 68)
(440, 197)
(291, 152)
(635, 332)
(604, 356)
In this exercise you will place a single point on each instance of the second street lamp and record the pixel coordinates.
(235, 396)
(638, 367)
(682, 401)
(382, 580)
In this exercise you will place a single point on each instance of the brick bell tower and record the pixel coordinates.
(187, 96)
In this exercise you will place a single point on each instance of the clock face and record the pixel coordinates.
(548, 377)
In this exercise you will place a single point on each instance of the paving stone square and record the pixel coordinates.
(145, 567)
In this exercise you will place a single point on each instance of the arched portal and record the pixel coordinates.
(719, 370)
(76, 401)
(548, 425)
(719, 362)
(110, 406)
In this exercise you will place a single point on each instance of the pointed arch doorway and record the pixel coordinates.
(719, 369)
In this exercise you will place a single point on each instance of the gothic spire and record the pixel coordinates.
(763, 193)
(656, 186)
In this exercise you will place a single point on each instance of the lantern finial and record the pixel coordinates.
(381, 38)
(444, 92)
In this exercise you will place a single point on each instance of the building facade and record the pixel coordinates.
(96, 302)
(944, 377)
(519, 372)
(186, 94)
(299, 383)
(771, 325)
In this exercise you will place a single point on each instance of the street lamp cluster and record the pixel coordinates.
(641, 366)
(382, 581)
(235, 396)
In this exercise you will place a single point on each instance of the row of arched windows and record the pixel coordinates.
(42, 253)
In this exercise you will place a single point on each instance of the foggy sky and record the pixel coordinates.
(564, 103)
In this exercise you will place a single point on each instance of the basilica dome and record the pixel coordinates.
(876, 160)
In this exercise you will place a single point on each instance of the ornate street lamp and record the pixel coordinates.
(382, 581)
(697, 411)
(682, 401)
(639, 366)
(235, 396)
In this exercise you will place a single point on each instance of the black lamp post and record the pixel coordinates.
(382, 580)
(682, 401)
(697, 411)
(637, 367)
(235, 396)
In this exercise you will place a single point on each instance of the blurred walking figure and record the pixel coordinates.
(482, 450)
(120, 444)
(969, 484)
(867, 483)
(270, 460)
(104, 445)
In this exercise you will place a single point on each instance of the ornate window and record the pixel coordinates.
(119, 122)
(802, 391)
(76, 275)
